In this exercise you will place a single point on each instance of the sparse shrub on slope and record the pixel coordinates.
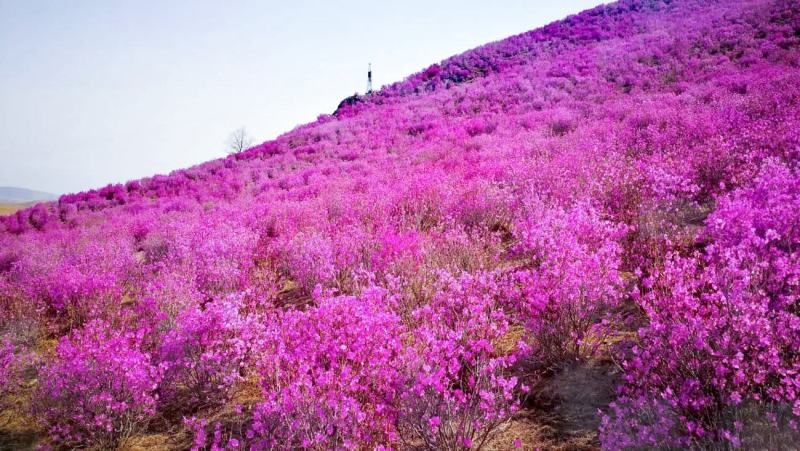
(574, 281)
(6, 366)
(100, 389)
(205, 354)
(461, 389)
(719, 354)
(332, 376)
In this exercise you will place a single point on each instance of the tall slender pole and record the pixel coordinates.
(369, 79)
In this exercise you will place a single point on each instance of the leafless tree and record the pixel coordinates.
(239, 141)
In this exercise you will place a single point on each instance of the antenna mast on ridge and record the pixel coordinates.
(369, 79)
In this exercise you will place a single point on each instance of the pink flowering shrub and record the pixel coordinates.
(72, 278)
(754, 232)
(574, 281)
(221, 257)
(217, 440)
(205, 353)
(723, 326)
(331, 376)
(641, 422)
(632, 168)
(460, 389)
(311, 259)
(398, 251)
(99, 389)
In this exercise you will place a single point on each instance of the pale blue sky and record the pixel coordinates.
(99, 91)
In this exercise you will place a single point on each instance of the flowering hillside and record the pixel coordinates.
(615, 195)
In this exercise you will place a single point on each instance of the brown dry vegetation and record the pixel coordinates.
(561, 412)
(7, 209)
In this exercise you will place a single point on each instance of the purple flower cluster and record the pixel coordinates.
(205, 353)
(460, 389)
(100, 388)
(388, 276)
(331, 376)
(573, 282)
(723, 330)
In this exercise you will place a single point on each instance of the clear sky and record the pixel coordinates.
(101, 91)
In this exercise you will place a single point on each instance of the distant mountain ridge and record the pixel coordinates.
(16, 195)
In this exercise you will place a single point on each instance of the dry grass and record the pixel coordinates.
(507, 343)
(7, 209)
(292, 295)
(529, 429)
(562, 411)
(18, 431)
(152, 442)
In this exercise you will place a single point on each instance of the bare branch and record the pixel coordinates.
(239, 140)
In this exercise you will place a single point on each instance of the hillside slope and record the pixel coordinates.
(609, 202)
(11, 195)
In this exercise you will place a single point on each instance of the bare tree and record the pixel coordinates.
(239, 141)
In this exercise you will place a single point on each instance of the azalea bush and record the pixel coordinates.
(461, 389)
(616, 187)
(100, 389)
(574, 282)
(205, 354)
(723, 326)
(332, 376)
